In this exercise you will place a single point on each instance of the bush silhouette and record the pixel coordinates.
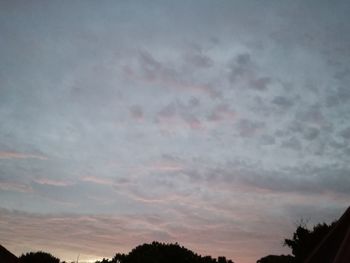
(304, 241)
(38, 257)
(163, 253)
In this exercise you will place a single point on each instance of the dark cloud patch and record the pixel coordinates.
(340, 96)
(308, 131)
(244, 70)
(267, 140)
(283, 102)
(240, 67)
(248, 128)
(292, 143)
(295, 126)
(312, 114)
(176, 112)
(311, 133)
(345, 133)
(342, 74)
(168, 111)
(221, 112)
(192, 121)
(166, 74)
(193, 102)
(260, 83)
(198, 59)
(136, 112)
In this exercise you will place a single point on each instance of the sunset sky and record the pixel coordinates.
(216, 124)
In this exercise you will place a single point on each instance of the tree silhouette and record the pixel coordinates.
(38, 257)
(163, 253)
(277, 259)
(304, 241)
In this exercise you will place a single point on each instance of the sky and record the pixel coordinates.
(219, 125)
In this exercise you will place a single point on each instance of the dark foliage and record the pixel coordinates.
(163, 253)
(277, 259)
(304, 241)
(38, 257)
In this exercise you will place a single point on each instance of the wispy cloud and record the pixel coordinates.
(97, 180)
(53, 182)
(19, 155)
(152, 71)
(15, 186)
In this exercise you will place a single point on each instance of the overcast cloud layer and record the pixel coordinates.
(215, 124)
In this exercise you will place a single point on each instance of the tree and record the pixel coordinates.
(277, 259)
(38, 257)
(304, 240)
(164, 253)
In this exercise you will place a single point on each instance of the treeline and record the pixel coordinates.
(302, 243)
(163, 253)
(155, 252)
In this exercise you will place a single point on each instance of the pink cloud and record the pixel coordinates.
(18, 155)
(173, 122)
(222, 113)
(97, 180)
(15, 186)
(154, 72)
(54, 182)
(166, 166)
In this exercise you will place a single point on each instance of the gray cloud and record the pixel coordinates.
(226, 121)
(345, 133)
(292, 143)
(197, 57)
(248, 128)
(311, 133)
(282, 102)
(244, 70)
(136, 112)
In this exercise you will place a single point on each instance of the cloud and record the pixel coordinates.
(177, 115)
(222, 112)
(153, 71)
(311, 133)
(6, 185)
(197, 58)
(241, 66)
(292, 143)
(283, 102)
(312, 115)
(243, 71)
(267, 139)
(136, 112)
(18, 155)
(255, 110)
(97, 180)
(260, 83)
(97, 236)
(53, 182)
(338, 97)
(345, 133)
(248, 128)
